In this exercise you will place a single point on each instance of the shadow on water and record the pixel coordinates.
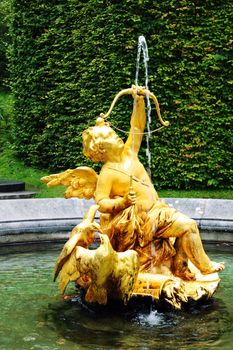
(140, 325)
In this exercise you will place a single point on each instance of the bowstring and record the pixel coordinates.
(136, 133)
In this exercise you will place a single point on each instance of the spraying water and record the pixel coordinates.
(142, 48)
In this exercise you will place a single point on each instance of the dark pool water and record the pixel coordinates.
(33, 315)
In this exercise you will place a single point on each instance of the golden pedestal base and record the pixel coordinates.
(174, 290)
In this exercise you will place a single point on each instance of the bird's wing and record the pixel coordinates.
(65, 254)
(69, 272)
(76, 266)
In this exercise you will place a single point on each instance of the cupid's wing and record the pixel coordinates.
(80, 182)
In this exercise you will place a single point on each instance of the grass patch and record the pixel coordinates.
(13, 169)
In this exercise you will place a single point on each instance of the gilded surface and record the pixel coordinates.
(147, 248)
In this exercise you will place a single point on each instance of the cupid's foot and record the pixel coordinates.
(213, 267)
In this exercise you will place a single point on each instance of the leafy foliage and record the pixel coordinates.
(70, 58)
(6, 107)
(5, 6)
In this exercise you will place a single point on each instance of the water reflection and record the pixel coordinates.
(34, 316)
(141, 327)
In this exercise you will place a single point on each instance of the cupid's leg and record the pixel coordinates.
(180, 262)
(189, 246)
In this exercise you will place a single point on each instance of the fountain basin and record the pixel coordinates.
(34, 315)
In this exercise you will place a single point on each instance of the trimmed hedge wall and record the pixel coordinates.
(4, 41)
(70, 58)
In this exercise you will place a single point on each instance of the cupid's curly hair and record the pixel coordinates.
(93, 140)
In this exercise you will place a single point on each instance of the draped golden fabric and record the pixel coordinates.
(141, 231)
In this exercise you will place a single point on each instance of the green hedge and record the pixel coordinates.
(70, 58)
(4, 41)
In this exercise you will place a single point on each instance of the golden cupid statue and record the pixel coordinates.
(146, 247)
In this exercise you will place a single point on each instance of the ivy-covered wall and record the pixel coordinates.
(70, 58)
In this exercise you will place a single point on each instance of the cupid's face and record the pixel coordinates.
(101, 143)
(112, 143)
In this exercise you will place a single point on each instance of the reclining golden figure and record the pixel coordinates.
(132, 216)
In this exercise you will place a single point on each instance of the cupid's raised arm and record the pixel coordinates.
(138, 118)
(137, 125)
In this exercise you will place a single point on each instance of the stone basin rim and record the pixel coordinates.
(51, 219)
